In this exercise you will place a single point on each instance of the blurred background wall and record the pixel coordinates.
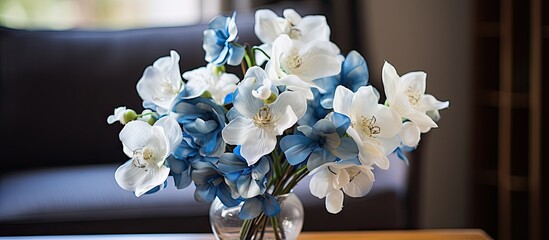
(433, 36)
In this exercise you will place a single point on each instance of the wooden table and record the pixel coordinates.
(454, 234)
(443, 234)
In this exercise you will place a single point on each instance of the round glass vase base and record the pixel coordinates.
(226, 224)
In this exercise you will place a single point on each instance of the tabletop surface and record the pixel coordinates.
(447, 234)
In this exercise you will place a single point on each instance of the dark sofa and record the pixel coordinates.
(59, 154)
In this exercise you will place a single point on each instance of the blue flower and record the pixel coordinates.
(249, 181)
(353, 75)
(210, 183)
(219, 42)
(263, 203)
(203, 120)
(181, 160)
(321, 143)
(315, 111)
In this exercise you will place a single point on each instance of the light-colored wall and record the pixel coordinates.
(434, 36)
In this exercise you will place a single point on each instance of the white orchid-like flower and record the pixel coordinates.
(302, 30)
(161, 83)
(219, 85)
(297, 66)
(374, 126)
(257, 123)
(148, 147)
(333, 179)
(407, 96)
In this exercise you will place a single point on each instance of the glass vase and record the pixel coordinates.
(226, 224)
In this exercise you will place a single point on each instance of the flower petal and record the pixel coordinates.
(230, 162)
(318, 158)
(247, 186)
(258, 143)
(232, 29)
(319, 60)
(334, 201)
(415, 81)
(429, 103)
(284, 120)
(140, 180)
(343, 99)
(390, 79)
(295, 100)
(361, 184)
(238, 130)
(410, 134)
(296, 148)
(225, 196)
(172, 130)
(268, 26)
(159, 144)
(346, 150)
(236, 53)
(320, 184)
(271, 207)
(314, 27)
(371, 153)
(245, 103)
(251, 208)
(422, 120)
(135, 135)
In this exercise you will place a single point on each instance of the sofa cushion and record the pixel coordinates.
(58, 87)
(90, 195)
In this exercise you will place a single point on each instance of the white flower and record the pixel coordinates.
(256, 123)
(302, 30)
(117, 116)
(148, 147)
(297, 66)
(407, 96)
(374, 127)
(161, 83)
(206, 79)
(331, 178)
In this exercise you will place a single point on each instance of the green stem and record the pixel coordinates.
(283, 180)
(274, 222)
(251, 55)
(261, 50)
(248, 60)
(276, 164)
(243, 68)
(245, 229)
(297, 176)
(145, 114)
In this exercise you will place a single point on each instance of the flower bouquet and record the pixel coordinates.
(301, 109)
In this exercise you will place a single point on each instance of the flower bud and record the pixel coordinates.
(270, 99)
(206, 94)
(219, 70)
(148, 116)
(129, 115)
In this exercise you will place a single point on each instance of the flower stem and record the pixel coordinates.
(261, 50)
(297, 176)
(276, 164)
(274, 222)
(243, 68)
(248, 61)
